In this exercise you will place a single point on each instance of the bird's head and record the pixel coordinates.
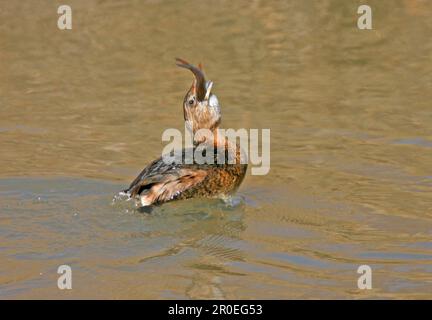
(200, 106)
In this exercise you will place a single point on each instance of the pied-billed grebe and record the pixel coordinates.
(161, 182)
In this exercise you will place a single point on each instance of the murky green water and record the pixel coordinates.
(82, 112)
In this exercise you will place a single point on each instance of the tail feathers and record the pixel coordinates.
(140, 193)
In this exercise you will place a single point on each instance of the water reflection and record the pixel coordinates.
(208, 233)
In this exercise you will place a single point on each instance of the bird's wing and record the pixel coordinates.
(160, 181)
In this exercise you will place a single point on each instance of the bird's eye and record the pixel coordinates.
(191, 101)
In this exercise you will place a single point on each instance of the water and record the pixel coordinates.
(82, 112)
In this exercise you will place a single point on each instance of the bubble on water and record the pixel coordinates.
(121, 196)
(39, 199)
(233, 201)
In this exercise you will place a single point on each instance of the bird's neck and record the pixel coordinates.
(219, 141)
(209, 137)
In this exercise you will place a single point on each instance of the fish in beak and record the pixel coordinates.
(200, 87)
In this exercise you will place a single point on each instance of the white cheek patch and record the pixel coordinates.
(214, 106)
(213, 101)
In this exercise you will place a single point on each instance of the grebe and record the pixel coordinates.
(161, 182)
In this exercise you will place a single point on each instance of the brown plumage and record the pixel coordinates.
(161, 182)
